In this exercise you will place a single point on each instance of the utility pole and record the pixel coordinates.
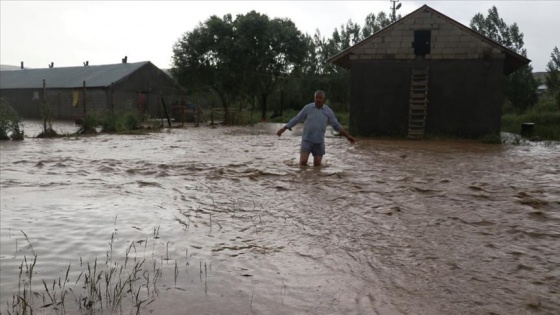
(394, 9)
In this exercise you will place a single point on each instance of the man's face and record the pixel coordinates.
(319, 100)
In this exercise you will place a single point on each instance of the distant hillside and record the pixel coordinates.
(7, 67)
(540, 76)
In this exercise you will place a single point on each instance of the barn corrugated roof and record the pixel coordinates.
(513, 60)
(68, 77)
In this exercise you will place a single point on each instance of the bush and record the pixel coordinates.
(121, 123)
(545, 115)
(10, 122)
(91, 121)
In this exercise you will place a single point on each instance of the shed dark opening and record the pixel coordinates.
(422, 42)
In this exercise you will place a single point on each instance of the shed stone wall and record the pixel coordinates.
(465, 97)
(448, 42)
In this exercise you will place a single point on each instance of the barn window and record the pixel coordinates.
(422, 42)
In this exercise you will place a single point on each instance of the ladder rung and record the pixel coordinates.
(418, 103)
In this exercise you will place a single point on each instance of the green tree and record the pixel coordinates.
(304, 78)
(374, 23)
(309, 63)
(349, 35)
(520, 86)
(238, 59)
(10, 122)
(269, 50)
(552, 78)
(204, 59)
(335, 80)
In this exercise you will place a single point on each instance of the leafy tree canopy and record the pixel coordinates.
(520, 86)
(495, 28)
(553, 75)
(238, 58)
(253, 57)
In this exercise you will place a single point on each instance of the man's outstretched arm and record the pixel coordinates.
(347, 135)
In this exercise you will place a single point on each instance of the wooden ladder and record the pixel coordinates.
(418, 105)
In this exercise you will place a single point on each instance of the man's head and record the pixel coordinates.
(319, 98)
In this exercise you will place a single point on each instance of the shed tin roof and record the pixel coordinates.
(513, 60)
(68, 77)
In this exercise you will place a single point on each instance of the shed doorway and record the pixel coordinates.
(422, 42)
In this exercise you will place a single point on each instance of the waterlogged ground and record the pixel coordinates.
(225, 222)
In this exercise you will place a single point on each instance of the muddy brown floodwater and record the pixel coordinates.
(235, 226)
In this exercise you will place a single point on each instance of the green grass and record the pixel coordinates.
(99, 287)
(546, 119)
(125, 122)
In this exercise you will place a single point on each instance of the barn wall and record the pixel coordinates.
(142, 91)
(24, 101)
(66, 108)
(465, 97)
(28, 102)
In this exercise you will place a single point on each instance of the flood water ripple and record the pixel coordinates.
(237, 227)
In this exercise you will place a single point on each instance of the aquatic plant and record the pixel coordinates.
(98, 288)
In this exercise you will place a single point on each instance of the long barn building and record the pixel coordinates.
(71, 92)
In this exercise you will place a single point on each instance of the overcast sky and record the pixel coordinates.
(103, 32)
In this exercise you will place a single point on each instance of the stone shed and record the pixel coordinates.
(74, 91)
(427, 73)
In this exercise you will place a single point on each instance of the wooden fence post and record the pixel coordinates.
(44, 106)
(112, 97)
(84, 98)
(165, 110)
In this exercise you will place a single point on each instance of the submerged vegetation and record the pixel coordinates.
(123, 284)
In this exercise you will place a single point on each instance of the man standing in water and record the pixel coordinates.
(316, 116)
